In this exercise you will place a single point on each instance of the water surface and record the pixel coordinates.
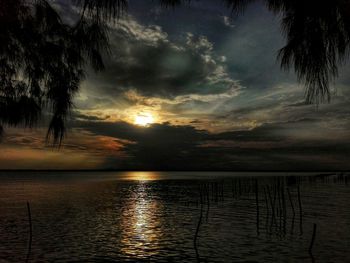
(174, 217)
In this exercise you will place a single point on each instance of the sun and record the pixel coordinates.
(144, 119)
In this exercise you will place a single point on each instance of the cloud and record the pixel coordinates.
(228, 21)
(150, 69)
(80, 116)
(160, 146)
(81, 149)
(143, 58)
(290, 145)
(300, 144)
(130, 29)
(25, 158)
(155, 101)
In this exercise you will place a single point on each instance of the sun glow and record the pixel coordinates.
(144, 119)
(141, 176)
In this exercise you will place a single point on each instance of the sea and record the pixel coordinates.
(149, 216)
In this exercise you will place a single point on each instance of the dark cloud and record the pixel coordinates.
(162, 132)
(268, 147)
(144, 59)
(160, 146)
(85, 117)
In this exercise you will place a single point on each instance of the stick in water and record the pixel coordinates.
(30, 232)
(196, 234)
(312, 239)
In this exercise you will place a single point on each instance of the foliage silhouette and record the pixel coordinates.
(42, 62)
(43, 58)
(318, 39)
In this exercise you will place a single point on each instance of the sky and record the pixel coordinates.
(192, 88)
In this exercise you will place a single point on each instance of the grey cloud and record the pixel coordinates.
(268, 147)
(160, 146)
(144, 59)
(84, 117)
(156, 133)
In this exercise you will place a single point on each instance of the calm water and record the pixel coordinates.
(174, 217)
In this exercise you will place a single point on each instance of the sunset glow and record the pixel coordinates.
(174, 131)
(144, 119)
(142, 176)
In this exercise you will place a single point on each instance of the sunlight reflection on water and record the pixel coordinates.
(141, 226)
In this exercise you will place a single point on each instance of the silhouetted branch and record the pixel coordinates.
(43, 62)
(101, 10)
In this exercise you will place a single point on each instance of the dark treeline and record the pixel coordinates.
(43, 58)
